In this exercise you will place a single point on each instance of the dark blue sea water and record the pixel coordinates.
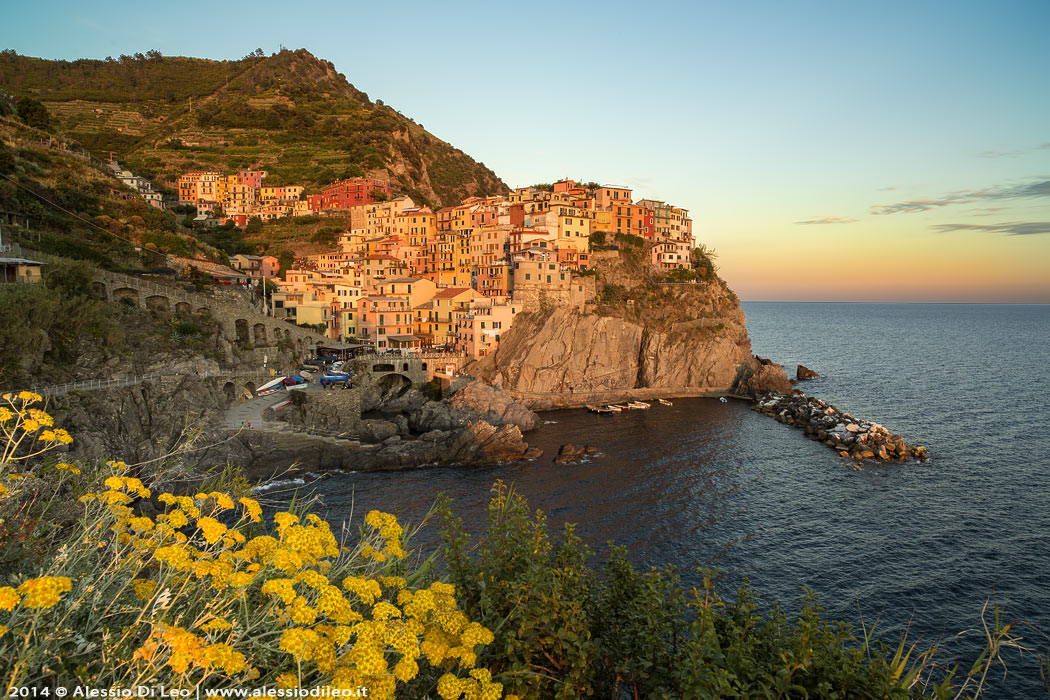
(916, 545)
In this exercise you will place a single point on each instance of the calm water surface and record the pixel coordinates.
(706, 483)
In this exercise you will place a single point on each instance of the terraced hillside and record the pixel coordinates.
(290, 113)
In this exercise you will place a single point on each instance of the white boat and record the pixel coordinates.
(723, 399)
(295, 387)
(637, 405)
(603, 410)
(665, 402)
(270, 387)
(620, 407)
(280, 404)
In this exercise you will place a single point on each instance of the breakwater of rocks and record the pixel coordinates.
(851, 437)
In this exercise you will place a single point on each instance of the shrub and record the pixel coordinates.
(200, 590)
(565, 630)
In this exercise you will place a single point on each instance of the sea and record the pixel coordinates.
(916, 548)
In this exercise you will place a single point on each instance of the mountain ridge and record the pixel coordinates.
(290, 113)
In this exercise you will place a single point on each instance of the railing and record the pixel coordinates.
(132, 380)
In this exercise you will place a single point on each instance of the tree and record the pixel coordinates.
(34, 113)
(254, 225)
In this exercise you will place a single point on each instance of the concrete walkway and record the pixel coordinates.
(243, 413)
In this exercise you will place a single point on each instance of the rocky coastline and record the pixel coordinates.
(851, 437)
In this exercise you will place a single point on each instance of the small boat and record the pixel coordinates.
(665, 402)
(723, 399)
(270, 387)
(619, 407)
(637, 405)
(602, 410)
(279, 405)
(613, 409)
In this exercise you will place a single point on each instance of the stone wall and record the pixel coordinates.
(538, 285)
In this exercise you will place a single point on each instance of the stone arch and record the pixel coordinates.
(250, 387)
(99, 290)
(383, 367)
(424, 366)
(230, 390)
(241, 329)
(204, 311)
(404, 367)
(259, 335)
(156, 302)
(182, 308)
(394, 384)
(126, 295)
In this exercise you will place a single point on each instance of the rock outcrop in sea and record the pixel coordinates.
(851, 437)
(687, 338)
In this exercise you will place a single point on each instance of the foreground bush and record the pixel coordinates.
(564, 630)
(207, 593)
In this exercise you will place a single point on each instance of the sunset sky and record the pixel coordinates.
(826, 150)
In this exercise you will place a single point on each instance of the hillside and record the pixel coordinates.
(290, 113)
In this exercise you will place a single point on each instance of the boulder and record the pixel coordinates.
(493, 405)
(803, 373)
(483, 443)
(376, 431)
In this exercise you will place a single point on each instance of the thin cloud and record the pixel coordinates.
(1045, 146)
(828, 220)
(986, 211)
(999, 154)
(1016, 228)
(1033, 189)
(889, 188)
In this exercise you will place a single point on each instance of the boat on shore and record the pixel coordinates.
(637, 405)
(270, 387)
(665, 402)
(603, 410)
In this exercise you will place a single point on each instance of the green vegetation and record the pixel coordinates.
(681, 275)
(289, 113)
(567, 630)
(33, 113)
(703, 260)
(43, 325)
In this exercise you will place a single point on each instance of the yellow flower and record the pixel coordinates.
(406, 670)
(28, 397)
(240, 579)
(280, 588)
(384, 611)
(143, 588)
(65, 466)
(114, 482)
(6, 414)
(285, 520)
(45, 591)
(222, 501)
(252, 508)
(29, 425)
(9, 598)
(211, 528)
(223, 656)
(216, 623)
(450, 687)
(3, 630)
(287, 680)
(298, 642)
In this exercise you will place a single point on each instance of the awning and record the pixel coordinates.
(402, 338)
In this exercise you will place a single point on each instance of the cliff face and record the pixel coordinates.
(691, 338)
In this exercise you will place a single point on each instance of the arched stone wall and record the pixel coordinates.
(156, 302)
(259, 335)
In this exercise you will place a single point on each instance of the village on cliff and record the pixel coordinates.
(404, 276)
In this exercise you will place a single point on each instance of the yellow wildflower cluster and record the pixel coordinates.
(42, 592)
(26, 431)
(390, 531)
(365, 630)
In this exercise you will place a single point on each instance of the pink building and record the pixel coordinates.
(671, 255)
(478, 330)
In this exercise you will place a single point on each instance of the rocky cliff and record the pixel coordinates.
(684, 337)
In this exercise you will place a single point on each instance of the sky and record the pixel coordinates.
(827, 151)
